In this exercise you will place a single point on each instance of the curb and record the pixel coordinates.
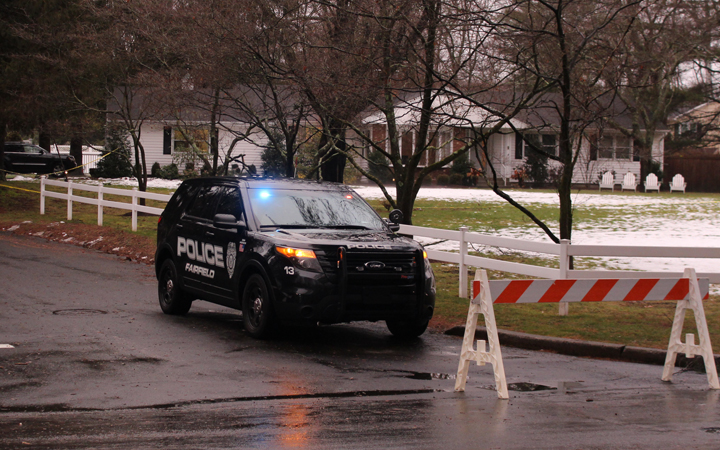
(588, 349)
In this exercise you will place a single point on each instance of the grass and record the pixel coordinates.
(645, 324)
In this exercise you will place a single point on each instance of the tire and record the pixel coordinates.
(57, 170)
(407, 329)
(173, 300)
(258, 318)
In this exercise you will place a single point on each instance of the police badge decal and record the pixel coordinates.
(230, 258)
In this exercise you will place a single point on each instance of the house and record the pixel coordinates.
(169, 128)
(603, 147)
(174, 127)
(696, 129)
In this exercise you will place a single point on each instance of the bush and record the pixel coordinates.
(461, 165)
(273, 158)
(273, 162)
(443, 180)
(169, 172)
(456, 179)
(117, 162)
(379, 166)
(536, 167)
(155, 170)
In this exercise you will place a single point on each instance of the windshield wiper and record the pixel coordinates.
(347, 227)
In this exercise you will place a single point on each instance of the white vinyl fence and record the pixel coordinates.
(101, 191)
(563, 250)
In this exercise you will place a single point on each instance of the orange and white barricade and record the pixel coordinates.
(687, 291)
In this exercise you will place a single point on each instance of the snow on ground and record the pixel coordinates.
(648, 220)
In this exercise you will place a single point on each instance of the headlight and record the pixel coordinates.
(301, 258)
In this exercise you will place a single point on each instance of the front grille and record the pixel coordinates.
(372, 282)
(380, 268)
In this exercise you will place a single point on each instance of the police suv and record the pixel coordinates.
(290, 251)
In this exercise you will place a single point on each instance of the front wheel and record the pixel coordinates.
(173, 300)
(407, 328)
(257, 311)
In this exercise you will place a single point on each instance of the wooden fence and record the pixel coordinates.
(700, 172)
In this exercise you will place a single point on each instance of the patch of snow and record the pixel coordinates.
(648, 220)
(13, 228)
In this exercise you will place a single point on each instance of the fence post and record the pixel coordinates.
(134, 208)
(463, 291)
(100, 206)
(564, 308)
(69, 200)
(42, 195)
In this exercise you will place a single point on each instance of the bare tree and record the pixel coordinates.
(565, 46)
(647, 74)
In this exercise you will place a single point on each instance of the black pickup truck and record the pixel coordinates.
(290, 252)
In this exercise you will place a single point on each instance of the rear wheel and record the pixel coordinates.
(257, 311)
(407, 329)
(173, 300)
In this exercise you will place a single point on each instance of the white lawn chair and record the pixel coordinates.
(607, 182)
(629, 183)
(678, 183)
(651, 183)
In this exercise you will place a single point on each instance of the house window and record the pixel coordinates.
(445, 143)
(184, 140)
(545, 142)
(167, 140)
(615, 147)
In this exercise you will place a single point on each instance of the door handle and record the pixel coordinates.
(209, 233)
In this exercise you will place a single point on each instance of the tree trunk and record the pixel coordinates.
(76, 152)
(44, 140)
(3, 135)
(333, 166)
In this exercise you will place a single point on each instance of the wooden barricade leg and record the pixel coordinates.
(675, 345)
(482, 304)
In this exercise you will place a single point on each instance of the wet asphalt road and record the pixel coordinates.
(96, 364)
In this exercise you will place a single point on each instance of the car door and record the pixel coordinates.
(36, 160)
(196, 248)
(231, 240)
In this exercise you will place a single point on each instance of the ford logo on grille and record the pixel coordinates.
(375, 265)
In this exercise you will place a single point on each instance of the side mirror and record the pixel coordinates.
(396, 216)
(227, 221)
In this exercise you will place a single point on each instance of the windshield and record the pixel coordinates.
(284, 208)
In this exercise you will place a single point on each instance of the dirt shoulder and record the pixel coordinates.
(127, 245)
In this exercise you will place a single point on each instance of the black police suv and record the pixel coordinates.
(290, 251)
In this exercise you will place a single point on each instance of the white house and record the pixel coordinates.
(166, 138)
(174, 126)
(603, 147)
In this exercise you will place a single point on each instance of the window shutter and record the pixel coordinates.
(167, 140)
(593, 148)
(518, 146)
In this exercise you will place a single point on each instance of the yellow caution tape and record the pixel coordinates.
(19, 189)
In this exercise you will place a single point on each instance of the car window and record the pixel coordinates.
(309, 208)
(203, 205)
(33, 149)
(14, 148)
(230, 202)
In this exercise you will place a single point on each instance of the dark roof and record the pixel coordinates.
(239, 104)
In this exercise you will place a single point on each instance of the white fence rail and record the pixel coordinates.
(565, 250)
(101, 191)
